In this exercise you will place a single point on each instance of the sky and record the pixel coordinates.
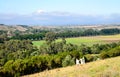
(59, 12)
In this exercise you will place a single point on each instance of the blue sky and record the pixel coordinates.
(55, 11)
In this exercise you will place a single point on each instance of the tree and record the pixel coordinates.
(50, 37)
(63, 41)
(3, 38)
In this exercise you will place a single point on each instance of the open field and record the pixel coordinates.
(89, 40)
(101, 68)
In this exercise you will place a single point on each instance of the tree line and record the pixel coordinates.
(67, 33)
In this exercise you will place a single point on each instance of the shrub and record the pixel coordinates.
(75, 54)
(68, 61)
(104, 55)
(89, 58)
(114, 52)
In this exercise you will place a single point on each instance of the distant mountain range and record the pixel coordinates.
(54, 18)
(23, 28)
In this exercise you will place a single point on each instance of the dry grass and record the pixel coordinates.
(20, 28)
(102, 68)
(12, 28)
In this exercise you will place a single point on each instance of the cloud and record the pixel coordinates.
(40, 11)
(42, 17)
(54, 13)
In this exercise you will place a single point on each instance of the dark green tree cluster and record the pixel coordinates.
(97, 48)
(15, 68)
(3, 36)
(111, 53)
(53, 47)
(68, 61)
(37, 34)
(110, 31)
(2, 32)
(88, 32)
(50, 37)
(15, 49)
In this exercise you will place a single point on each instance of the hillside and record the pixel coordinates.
(12, 28)
(101, 68)
(26, 27)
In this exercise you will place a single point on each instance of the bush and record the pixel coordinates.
(110, 53)
(104, 55)
(76, 54)
(68, 61)
(114, 52)
(89, 58)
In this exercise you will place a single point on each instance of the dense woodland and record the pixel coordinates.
(40, 34)
(19, 57)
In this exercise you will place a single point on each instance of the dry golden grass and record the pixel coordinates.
(101, 68)
(12, 28)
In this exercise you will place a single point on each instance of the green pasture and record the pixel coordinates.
(89, 40)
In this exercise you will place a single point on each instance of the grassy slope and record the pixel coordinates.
(87, 40)
(101, 68)
(12, 28)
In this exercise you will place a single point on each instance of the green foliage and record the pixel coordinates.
(50, 37)
(68, 61)
(85, 49)
(111, 53)
(76, 54)
(56, 47)
(15, 49)
(110, 31)
(114, 52)
(39, 34)
(36, 64)
(35, 36)
(104, 55)
(3, 37)
(20, 57)
(69, 47)
(95, 49)
(88, 58)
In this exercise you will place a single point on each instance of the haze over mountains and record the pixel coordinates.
(58, 18)
(59, 12)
